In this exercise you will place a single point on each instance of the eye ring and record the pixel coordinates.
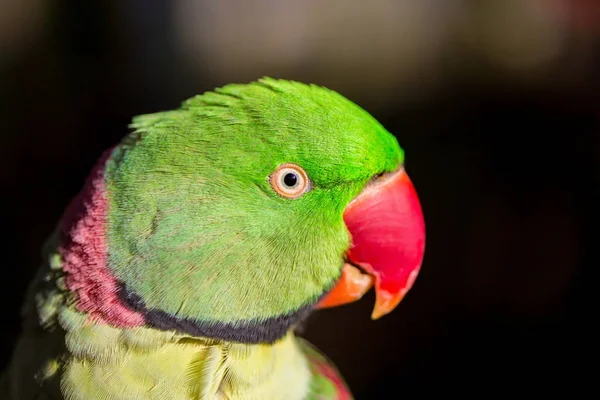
(290, 181)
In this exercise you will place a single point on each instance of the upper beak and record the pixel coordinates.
(388, 242)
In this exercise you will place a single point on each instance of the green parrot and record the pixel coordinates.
(204, 238)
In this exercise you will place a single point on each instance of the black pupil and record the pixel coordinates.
(290, 179)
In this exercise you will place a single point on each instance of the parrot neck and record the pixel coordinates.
(145, 361)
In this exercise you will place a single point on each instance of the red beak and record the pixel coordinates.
(388, 243)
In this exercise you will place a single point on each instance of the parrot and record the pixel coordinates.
(203, 240)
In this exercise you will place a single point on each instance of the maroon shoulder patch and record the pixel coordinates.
(83, 250)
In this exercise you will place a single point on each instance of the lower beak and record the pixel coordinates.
(388, 243)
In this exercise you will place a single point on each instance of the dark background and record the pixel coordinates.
(495, 103)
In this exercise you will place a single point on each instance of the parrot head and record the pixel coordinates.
(236, 215)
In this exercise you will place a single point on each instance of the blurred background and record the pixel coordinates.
(495, 102)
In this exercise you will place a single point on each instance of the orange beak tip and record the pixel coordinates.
(386, 302)
(351, 286)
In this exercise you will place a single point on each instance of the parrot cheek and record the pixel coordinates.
(388, 243)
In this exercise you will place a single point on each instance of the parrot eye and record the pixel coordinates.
(290, 181)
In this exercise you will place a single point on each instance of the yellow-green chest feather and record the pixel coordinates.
(148, 364)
